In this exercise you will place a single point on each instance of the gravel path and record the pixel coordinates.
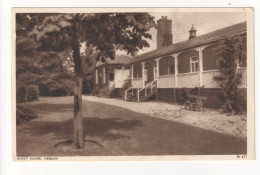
(235, 125)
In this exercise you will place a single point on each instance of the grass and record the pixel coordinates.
(115, 131)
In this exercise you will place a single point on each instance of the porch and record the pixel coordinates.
(188, 69)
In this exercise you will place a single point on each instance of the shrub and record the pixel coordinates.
(24, 114)
(127, 84)
(26, 93)
(33, 92)
(107, 92)
(21, 93)
(60, 87)
(231, 54)
(184, 93)
(195, 91)
(95, 90)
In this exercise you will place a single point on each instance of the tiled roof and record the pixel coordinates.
(119, 59)
(197, 41)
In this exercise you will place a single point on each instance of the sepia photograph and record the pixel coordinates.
(132, 84)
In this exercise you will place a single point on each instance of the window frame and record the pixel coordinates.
(194, 63)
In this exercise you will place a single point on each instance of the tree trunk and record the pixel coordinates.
(78, 139)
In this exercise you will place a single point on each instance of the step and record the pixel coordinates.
(131, 99)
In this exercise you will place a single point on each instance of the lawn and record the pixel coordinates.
(115, 131)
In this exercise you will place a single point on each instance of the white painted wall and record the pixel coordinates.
(207, 78)
(137, 83)
(188, 80)
(166, 81)
(120, 77)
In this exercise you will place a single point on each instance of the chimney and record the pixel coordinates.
(192, 32)
(164, 32)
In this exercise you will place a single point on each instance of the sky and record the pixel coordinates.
(204, 22)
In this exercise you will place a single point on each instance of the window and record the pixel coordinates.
(100, 77)
(171, 69)
(111, 76)
(194, 64)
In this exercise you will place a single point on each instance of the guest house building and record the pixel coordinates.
(162, 73)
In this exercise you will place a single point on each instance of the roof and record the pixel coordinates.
(196, 41)
(119, 59)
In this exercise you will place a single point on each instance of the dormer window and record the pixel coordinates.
(194, 64)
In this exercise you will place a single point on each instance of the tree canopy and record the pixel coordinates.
(63, 33)
(106, 32)
(232, 55)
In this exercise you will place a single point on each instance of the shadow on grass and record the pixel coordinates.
(47, 108)
(155, 136)
(93, 126)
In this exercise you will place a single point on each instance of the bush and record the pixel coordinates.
(21, 94)
(127, 84)
(24, 114)
(184, 93)
(61, 87)
(25, 93)
(33, 92)
(95, 90)
(107, 92)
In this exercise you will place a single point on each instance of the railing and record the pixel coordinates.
(166, 81)
(188, 79)
(127, 91)
(151, 86)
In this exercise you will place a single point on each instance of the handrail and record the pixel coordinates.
(144, 88)
(127, 91)
(148, 84)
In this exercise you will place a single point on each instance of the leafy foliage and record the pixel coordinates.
(103, 33)
(95, 90)
(46, 71)
(231, 55)
(185, 92)
(127, 84)
(107, 92)
(27, 93)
